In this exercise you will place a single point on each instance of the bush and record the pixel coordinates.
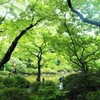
(8, 67)
(79, 84)
(51, 90)
(16, 81)
(35, 86)
(48, 89)
(4, 73)
(48, 83)
(91, 95)
(13, 94)
(8, 82)
(98, 73)
(21, 70)
(21, 82)
(20, 65)
(43, 89)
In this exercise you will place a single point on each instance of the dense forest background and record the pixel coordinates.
(41, 37)
(54, 37)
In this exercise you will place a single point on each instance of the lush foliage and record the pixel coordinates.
(76, 86)
(46, 37)
(48, 89)
(79, 45)
(13, 81)
(82, 87)
(13, 94)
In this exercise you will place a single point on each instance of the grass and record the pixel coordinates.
(55, 78)
(32, 78)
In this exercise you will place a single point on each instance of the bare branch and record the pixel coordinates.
(81, 16)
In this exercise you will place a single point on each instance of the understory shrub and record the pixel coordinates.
(79, 85)
(91, 95)
(13, 94)
(35, 86)
(4, 73)
(47, 90)
(13, 81)
(22, 82)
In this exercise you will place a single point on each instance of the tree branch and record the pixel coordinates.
(43, 43)
(1, 20)
(74, 51)
(75, 62)
(83, 49)
(92, 59)
(46, 61)
(46, 51)
(31, 52)
(92, 53)
(81, 16)
(13, 45)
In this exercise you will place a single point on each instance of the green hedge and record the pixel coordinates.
(79, 85)
(13, 81)
(91, 95)
(47, 90)
(13, 94)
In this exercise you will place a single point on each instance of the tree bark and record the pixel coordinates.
(39, 56)
(39, 72)
(13, 45)
(11, 48)
(84, 69)
(81, 16)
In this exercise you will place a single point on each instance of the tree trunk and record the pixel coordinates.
(81, 16)
(11, 48)
(39, 74)
(13, 45)
(39, 71)
(84, 69)
(39, 56)
(7, 55)
(39, 65)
